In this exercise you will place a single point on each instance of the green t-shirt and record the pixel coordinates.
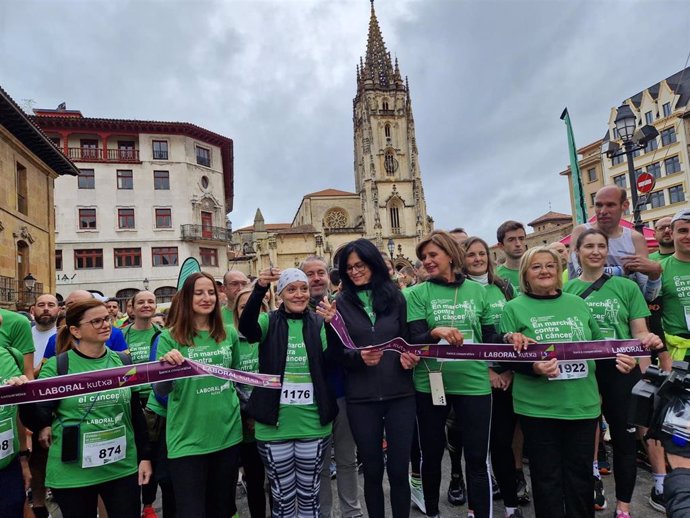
(155, 406)
(107, 450)
(675, 296)
(512, 276)
(248, 362)
(228, 318)
(299, 419)
(9, 436)
(613, 305)
(15, 332)
(658, 256)
(203, 412)
(562, 319)
(139, 344)
(465, 308)
(495, 300)
(368, 304)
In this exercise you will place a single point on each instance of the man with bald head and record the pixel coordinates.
(116, 342)
(628, 254)
(233, 282)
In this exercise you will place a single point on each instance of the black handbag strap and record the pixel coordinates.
(595, 286)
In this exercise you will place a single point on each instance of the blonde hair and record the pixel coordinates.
(526, 261)
(265, 306)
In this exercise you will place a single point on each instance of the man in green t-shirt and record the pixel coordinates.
(675, 289)
(662, 234)
(344, 448)
(511, 239)
(15, 332)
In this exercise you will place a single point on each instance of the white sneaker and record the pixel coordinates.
(417, 493)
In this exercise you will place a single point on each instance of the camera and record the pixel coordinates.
(661, 403)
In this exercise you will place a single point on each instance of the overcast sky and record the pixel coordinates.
(488, 80)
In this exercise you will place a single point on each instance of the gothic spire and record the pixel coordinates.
(377, 66)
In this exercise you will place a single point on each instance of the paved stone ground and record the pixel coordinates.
(640, 507)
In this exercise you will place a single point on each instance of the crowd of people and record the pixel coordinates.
(340, 408)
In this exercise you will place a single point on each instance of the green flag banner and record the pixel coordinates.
(189, 266)
(576, 176)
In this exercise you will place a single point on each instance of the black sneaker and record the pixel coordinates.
(495, 490)
(600, 502)
(656, 500)
(522, 489)
(457, 494)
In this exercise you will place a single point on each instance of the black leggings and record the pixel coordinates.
(120, 497)
(254, 477)
(473, 414)
(367, 422)
(201, 483)
(560, 464)
(503, 421)
(615, 389)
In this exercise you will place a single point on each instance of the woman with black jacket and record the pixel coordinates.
(378, 386)
(292, 425)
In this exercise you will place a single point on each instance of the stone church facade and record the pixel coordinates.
(388, 205)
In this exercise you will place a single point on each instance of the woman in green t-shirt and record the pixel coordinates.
(252, 466)
(557, 402)
(292, 425)
(203, 428)
(449, 308)
(479, 267)
(619, 308)
(14, 463)
(139, 336)
(98, 444)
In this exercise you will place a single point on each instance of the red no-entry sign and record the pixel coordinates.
(645, 183)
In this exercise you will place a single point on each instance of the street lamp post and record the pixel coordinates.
(391, 246)
(146, 283)
(625, 126)
(626, 122)
(29, 285)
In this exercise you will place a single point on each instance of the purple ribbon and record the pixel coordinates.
(594, 350)
(71, 385)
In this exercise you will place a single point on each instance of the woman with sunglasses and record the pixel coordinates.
(379, 390)
(98, 443)
(203, 426)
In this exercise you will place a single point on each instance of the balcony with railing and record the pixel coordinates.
(205, 233)
(92, 154)
(15, 292)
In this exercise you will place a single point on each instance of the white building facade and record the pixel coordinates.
(149, 195)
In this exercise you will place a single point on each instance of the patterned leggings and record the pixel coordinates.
(293, 469)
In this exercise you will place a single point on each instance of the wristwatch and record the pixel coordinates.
(24, 453)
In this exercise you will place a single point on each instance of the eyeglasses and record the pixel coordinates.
(357, 267)
(237, 284)
(537, 267)
(97, 322)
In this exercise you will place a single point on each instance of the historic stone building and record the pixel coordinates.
(387, 205)
(29, 165)
(664, 105)
(148, 195)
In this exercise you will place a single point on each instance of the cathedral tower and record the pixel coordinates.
(387, 174)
